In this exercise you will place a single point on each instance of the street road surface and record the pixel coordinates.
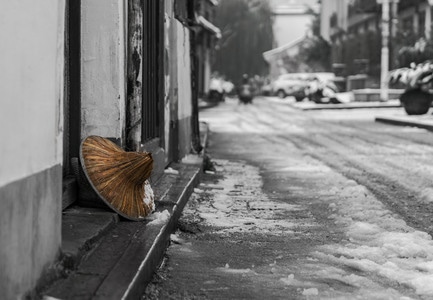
(305, 205)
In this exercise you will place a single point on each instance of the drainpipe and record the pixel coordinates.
(384, 69)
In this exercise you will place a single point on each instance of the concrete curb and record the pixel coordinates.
(413, 121)
(155, 255)
(350, 105)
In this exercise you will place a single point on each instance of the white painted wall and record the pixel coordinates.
(31, 134)
(169, 66)
(291, 19)
(342, 14)
(288, 28)
(327, 8)
(207, 71)
(183, 72)
(31, 69)
(184, 89)
(103, 66)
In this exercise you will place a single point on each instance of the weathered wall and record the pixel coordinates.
(31, 63)
(31, 120)
(133, 118)
(170, 97)
(103, 79)
(184, 89)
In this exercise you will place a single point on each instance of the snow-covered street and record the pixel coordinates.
(305, 205)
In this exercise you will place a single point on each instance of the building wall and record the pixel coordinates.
(103, 71)
(32, 116)
(170, 78)
(359, 36)
(327, 9)
(207, 70)
(291, 19)
(342, 14)
(184, 89)
(31, 130)
(290, 27)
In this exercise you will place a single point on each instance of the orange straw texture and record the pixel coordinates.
(118, 176)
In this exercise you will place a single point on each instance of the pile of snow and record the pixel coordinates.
(379, 242)
(171, 171)
(149, 197)
(159, 218)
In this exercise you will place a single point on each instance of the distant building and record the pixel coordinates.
(292, 20)
(282, 60)
(353, 29)
(333, 14)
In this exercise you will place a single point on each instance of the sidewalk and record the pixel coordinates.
(402, 119)
(106, 257)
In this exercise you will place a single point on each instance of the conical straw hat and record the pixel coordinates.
(119, 178)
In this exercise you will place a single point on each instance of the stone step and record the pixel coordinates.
(120, 263)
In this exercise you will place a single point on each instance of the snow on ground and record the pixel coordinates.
(381, 258)
(235, 195)
(379, 245)
(379, 242)
(237, 123)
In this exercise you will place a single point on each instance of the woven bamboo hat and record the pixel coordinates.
(118, 177)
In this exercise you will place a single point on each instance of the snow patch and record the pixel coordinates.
(175, 239)
(149, 197)
(235, 271)
(226, 209)
(171, 171)
(310, 292)
(427, 195)
(159, 218)
(379, 243)
(291, 281)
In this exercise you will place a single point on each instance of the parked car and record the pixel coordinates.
(291, 84)
(321, 88)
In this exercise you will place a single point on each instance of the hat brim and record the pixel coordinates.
(118, 177)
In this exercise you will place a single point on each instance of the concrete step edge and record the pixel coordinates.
(151, 241)
(154, 257)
